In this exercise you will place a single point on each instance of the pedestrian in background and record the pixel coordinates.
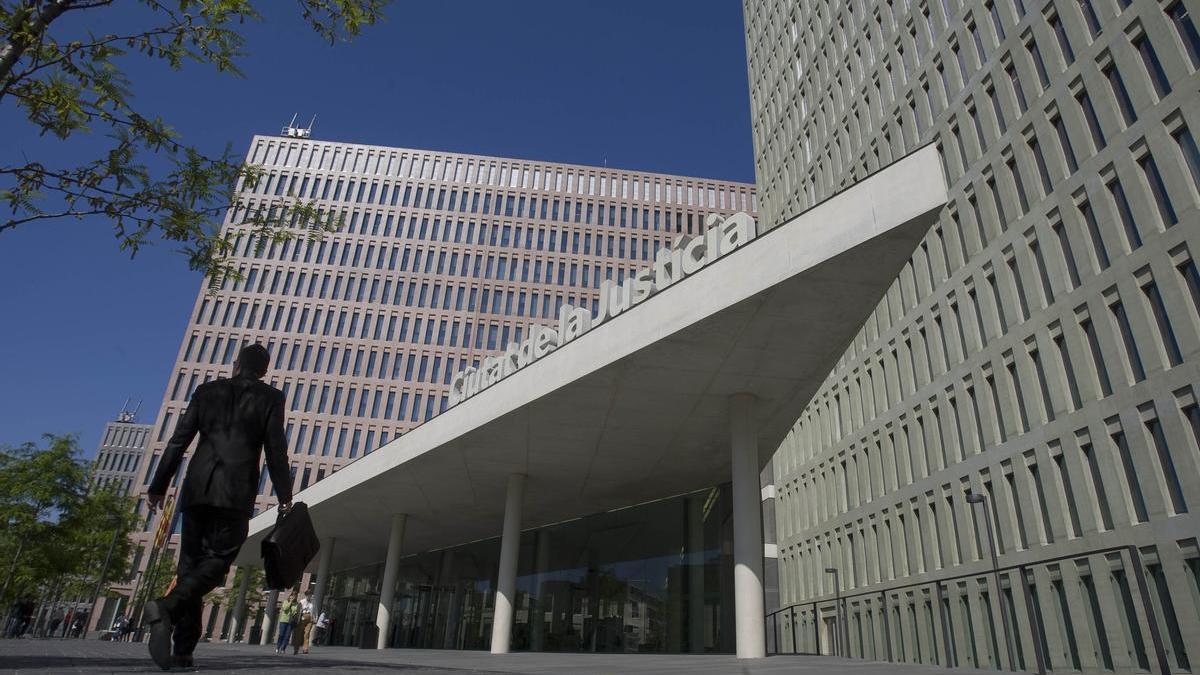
(288, 614)
(321, 628)
(118, 628)
(302, 637)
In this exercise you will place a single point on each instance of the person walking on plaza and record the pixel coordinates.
(321, 629)
(302, 637)
(289, 613)
(118, 628)
(237, 418)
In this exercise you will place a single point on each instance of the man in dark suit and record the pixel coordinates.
(236, 419)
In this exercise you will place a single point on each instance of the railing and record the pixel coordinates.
(811, 615)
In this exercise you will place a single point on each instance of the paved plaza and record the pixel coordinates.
(92, 656)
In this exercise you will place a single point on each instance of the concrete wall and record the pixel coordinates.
(1041, 349)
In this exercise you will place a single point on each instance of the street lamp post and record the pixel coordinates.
(842, 627)
(974, 498)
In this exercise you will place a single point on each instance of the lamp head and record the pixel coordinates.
(831, 570)
(973, 498)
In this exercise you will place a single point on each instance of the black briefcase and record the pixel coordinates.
(288, 549)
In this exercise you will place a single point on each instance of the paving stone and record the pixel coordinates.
(47, 657)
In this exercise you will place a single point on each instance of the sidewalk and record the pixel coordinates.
(92, 656)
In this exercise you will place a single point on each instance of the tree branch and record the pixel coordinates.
(46, 216)
(21, 40)
(75, 47)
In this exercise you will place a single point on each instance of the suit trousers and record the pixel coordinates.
(210, 540)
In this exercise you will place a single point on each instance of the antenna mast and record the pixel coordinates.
(125, 415)
(293, 131)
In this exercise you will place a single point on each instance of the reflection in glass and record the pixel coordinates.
(647, 578)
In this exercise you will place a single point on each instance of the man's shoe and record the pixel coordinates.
(159, 621)
(183, 661)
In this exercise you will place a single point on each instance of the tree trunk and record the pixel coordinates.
(15, 48)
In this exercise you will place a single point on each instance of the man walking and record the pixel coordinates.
(236, 419)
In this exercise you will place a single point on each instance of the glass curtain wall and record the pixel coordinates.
(657, 577)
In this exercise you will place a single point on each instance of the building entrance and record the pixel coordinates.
(645, 579)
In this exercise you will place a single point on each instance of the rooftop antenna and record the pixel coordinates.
(125, 415)
(293, 131)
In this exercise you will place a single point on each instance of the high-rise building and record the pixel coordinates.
(120, 455)
(443, 259)
(1030, 380)
(116, 467)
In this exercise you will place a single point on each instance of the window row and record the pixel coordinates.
(454, 331)
(125, 436)
(371, 255)
(123, 462)
(493, 172)
(438, 265)
(434, 197)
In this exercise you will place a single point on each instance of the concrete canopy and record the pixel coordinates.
(636, 409)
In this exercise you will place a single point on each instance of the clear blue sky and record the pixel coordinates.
(656, 85)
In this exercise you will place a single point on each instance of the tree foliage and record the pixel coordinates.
(57, 532)
(227, 595)
(157, 577)
(66, 81)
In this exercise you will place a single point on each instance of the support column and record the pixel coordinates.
(537, 608)
(269, 618)
(747, 531)
(322, 576)
(450, 627)
(695, 585)
(506, 580)
(239, 606)
(387, 590)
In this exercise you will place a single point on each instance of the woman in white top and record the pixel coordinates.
(302, 637)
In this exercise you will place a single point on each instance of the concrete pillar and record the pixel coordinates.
(453, 619)
(750, 624)
(695, 585)
(506, 580)
(323, 564)
(676, 623)
(269, 618)
(449, 581)
(239, 606)
(387, 590)
(537, 608)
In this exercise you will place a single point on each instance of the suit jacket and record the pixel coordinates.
(236, 419)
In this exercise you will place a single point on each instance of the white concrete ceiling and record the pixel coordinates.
(636, 409)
